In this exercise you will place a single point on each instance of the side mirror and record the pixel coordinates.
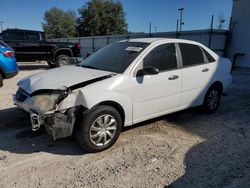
(148, 70)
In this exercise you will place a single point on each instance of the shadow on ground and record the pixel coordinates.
(222, 160)
(32, 66)
(16, 136)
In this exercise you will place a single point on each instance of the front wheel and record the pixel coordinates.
(98, 129)
(212, 99)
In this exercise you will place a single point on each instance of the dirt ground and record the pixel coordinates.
(184, 149)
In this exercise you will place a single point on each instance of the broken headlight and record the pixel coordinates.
(42, 103)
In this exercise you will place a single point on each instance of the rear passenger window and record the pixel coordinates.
(162, 57)
(191, 54)
(13, 36)
(209, 56)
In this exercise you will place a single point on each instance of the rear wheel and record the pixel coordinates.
(1, 80)
(98, 129)
(212, 99)
(62, 60)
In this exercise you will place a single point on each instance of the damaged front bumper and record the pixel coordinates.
(58, 124)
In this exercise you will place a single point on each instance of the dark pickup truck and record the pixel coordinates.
(32, 46)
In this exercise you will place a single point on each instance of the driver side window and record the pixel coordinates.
(162, 57)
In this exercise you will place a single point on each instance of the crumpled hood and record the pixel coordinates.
(59, 77)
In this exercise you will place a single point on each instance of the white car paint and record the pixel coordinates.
(58, 77)
(157, 95)
(140, 98)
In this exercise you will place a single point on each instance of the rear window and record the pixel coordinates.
(209, 56)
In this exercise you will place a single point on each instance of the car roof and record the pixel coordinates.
(169, 40)
(158, 40)
(23, 30)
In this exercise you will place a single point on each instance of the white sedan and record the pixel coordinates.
(123, 84)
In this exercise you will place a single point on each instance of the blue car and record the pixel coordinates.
(8, 65)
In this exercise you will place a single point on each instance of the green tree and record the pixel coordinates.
(102, 17)
(58, 23)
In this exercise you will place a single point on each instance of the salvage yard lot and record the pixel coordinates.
(184, 149)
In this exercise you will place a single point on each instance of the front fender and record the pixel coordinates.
(78, 98)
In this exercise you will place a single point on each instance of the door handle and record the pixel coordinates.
(205, 70)
(174, 77)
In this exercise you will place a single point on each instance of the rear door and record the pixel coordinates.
(197, 74)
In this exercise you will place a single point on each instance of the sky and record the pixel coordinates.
(28, 14)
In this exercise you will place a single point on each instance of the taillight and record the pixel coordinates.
(8, 53)
(78, 46)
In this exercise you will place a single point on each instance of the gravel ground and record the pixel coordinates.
(184, 149)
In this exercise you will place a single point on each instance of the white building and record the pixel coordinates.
(240, 41)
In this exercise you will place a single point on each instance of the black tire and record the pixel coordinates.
(51, 64)
(1, 80)
(87, 121)
(62, 60)
(212, 99)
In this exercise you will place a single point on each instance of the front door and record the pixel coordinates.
(155, 95)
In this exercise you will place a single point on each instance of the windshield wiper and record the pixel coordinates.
(90, 67)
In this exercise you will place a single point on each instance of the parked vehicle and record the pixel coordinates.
(32, 46)
(8, 66)
(123, 84)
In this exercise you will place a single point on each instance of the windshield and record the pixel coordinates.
(114, 57)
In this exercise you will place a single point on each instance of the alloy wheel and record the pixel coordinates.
(213, 99)
(103, 130)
